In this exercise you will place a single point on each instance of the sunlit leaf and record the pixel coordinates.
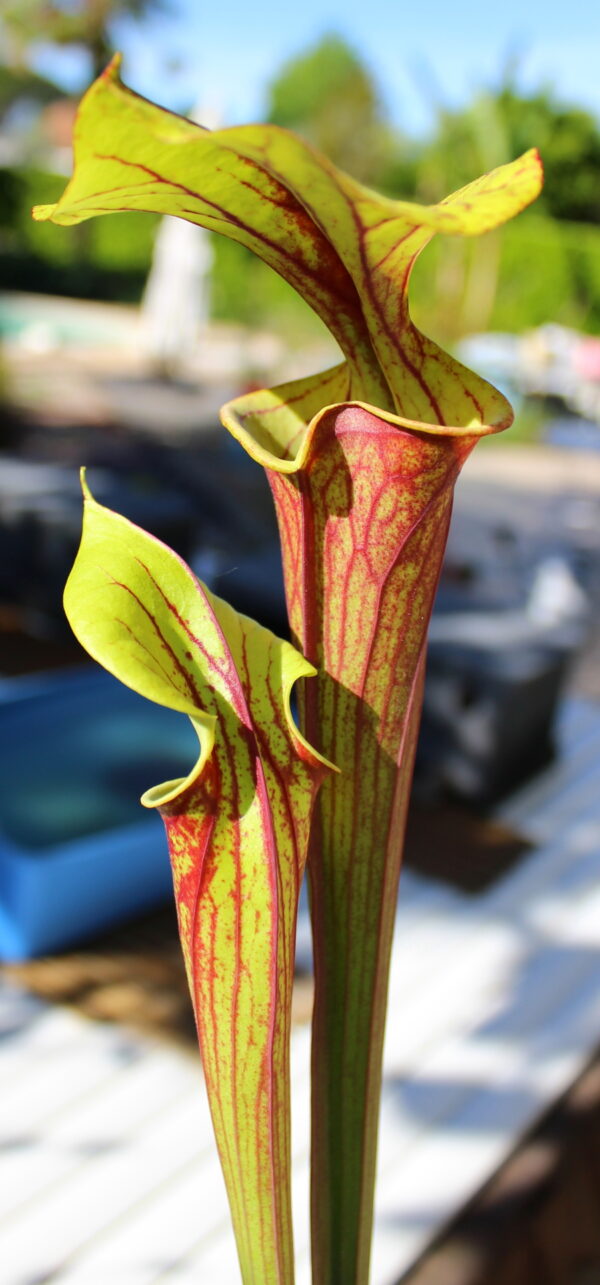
(238, 830)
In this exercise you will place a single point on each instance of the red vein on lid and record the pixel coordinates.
(221, 210)
(187, 678)
(368, 286)
(152, 669)
(226, 669)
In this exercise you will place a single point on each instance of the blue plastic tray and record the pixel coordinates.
(77, 851)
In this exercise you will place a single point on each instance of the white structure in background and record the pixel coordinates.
(175, 306)
(556, 597)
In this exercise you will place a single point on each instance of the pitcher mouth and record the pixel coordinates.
(274, 435)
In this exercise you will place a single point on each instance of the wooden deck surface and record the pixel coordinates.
(108, 1171)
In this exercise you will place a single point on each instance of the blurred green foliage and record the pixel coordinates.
(495, 127)
(328, 97)
(19, 83)
(83, 23)
(533, 271)
(104, 259)
(245, 290)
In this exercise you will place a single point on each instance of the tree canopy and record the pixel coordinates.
(501, 123)
(67, 22)
(329, 97)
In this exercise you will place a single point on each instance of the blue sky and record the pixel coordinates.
(225, 53)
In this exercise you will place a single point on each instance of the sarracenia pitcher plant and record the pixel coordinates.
(362, 461)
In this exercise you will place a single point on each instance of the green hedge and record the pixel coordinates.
(245, 290)
(546, 271)
(104, 258)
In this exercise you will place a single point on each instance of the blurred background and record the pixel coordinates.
(119, 340)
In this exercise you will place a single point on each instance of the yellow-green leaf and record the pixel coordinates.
(238, 831)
